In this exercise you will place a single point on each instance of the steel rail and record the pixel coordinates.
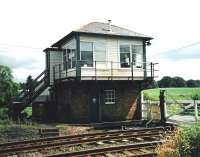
(111, 149)
(79, 136)
(76, 142)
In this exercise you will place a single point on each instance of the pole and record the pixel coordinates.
(162, 106)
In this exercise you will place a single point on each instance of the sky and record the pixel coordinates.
(29, 26)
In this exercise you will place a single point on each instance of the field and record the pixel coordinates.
(172, 93)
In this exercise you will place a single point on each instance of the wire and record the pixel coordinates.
(177, 49)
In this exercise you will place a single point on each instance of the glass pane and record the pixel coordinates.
(69, 64)
(124, 48)
(86, 46)
(87, 58)
(125, 60)
(137, 54)
(64, 60)
(73, 62)
(109, 96)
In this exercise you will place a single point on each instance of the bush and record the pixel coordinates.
(3, 113)
(190, 140)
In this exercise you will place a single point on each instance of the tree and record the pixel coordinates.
(192, 83)
(166, 81)
(5, 73)
(8, 88)
(179, 82)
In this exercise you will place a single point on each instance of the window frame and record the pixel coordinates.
(124, 53)
(131, 45)
(70, 59)
(65, 60)
(82, 65)
(110, 96)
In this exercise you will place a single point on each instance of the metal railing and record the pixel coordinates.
(107, 69)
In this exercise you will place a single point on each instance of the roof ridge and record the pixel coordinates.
(101, 28)
(86, 25)
(128, 30)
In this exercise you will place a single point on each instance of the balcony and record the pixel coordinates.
(106, 70)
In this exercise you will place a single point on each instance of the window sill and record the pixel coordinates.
(109, 103)
(69, 70)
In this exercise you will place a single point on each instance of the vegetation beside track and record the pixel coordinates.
(172, 93)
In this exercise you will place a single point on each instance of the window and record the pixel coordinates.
(64, 60)
(100, 52)
(109, 96)
(71, 55)
(131, 53)
(71, 58)
(125, 56)
(137, 56)
(86, 49)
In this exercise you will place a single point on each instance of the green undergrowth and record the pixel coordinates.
(190, 140)
(173, 93)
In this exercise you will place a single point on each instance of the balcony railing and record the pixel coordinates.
(100, 70)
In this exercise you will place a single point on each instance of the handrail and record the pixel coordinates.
(35, 83)
(147, 67)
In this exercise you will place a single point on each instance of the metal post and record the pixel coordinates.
(196, 110)
(132, 70)
(162, 106)
(54, 76)
(151, 70)
(111, 70)
(59, 67)
(95, 63)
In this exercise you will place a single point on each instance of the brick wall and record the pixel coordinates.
(74, 101)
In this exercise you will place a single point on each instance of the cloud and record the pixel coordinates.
(192, 52)
(23, 62)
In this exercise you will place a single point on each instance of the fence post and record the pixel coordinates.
(142, 104)
(196, 110)
(162, 106)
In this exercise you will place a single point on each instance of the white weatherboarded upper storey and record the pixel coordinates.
(99, 51)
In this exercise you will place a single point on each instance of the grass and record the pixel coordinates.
(173, 109)
(28, 111)
(172, 93)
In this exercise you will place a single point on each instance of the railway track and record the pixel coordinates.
(86, 144)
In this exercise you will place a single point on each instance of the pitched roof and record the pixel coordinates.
(103, 28)
(99, 28)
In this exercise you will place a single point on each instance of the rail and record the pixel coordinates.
(127, 138)
(106, 69)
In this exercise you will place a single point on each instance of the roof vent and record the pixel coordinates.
(110, 27)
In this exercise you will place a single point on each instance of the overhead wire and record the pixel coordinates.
(177, 49)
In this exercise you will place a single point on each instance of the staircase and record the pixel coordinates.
(28, 95)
